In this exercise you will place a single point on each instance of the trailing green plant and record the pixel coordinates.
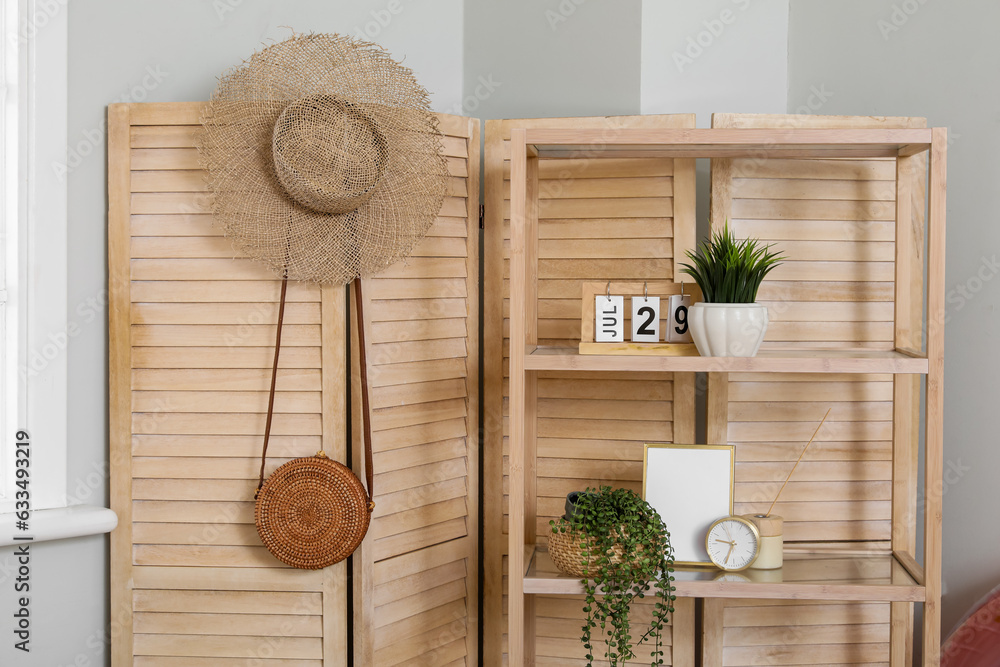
(626, 554)
(728, 270)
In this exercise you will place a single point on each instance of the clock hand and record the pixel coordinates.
(731, 546)
(724, 541)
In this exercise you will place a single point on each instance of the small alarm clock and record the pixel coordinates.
(733, 543)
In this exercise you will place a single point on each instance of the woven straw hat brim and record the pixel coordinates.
(253, 207)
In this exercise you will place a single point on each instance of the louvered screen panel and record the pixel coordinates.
(599, 219)
(842, 489)
(804, 632)
(200, 336)
(835, 221)
(192, 334)
(423, 356)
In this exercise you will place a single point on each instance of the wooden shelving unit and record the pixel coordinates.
(889, 574)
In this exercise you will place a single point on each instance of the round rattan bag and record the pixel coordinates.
(312, 512)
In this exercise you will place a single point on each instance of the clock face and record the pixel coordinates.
(733, 543)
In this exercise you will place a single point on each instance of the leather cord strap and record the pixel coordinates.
(365, 416)
(274, 377)
(359, 299)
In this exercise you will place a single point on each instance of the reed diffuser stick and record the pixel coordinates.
(768, 513)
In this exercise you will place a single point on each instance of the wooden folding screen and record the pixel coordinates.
(191, 332)
(834, 219)
(608, 219)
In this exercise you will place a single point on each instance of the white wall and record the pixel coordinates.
(939, 60)
(714, 56)
(550, 58)
(123, 50)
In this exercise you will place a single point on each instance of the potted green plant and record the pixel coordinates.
(619, 546)
(728, 322)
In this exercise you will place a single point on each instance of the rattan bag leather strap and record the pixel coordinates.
(365, 414)
(369, 475)
(274, 378)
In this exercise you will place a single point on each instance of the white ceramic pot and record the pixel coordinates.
(727, 329)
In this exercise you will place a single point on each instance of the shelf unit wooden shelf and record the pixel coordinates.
(888, 575)
(541, 358)
(813, 576)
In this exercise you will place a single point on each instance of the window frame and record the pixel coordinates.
(37, 336)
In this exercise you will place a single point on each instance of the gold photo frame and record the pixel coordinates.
(690, 486)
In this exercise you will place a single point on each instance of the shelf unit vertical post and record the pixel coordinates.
(907, 322)
(713, 617)
(530, 445)
(523, 392)
(717, 410)
(934, 414)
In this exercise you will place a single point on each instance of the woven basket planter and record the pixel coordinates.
(567, 554)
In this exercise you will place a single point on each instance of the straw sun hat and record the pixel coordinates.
(324, 159)
(325, 163)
